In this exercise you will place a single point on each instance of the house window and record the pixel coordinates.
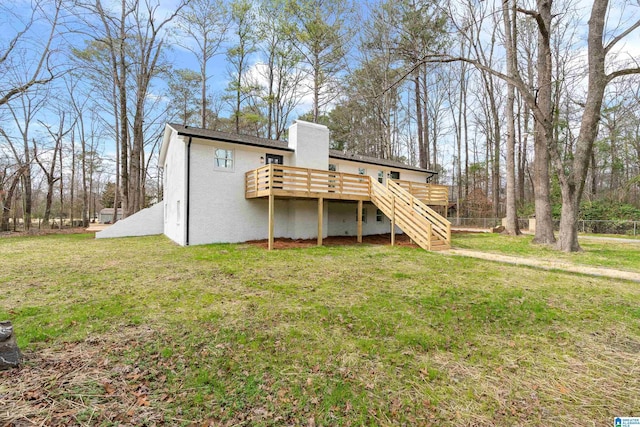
(223, 159)
(394, 175)
(379, 216)
(381, 177)
(332, 181)
(362, 171)
(364, 215)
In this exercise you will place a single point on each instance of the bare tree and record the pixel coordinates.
(30, 103)
(130, 39)
(12, 56)
(572, 174)
(510, 32)
(49, 170)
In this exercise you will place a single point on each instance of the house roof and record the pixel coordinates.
(283, 145)
(375, 161)
(230, 137)
(109, 211)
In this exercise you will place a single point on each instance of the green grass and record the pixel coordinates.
(596, 253)
(355, 335)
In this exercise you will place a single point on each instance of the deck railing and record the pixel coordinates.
(432, 194)
(440, 225)
(291, 181)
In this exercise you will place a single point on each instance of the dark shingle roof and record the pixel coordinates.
(375, 161)
(282, 145)
(230, 137)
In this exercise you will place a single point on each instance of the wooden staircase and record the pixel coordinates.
(423, 225)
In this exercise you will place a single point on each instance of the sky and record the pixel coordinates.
(15, 12)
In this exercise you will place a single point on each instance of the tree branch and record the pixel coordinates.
(622, 35)
(535, 15)
(620, 73)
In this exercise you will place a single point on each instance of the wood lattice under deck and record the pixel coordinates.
(404, 202)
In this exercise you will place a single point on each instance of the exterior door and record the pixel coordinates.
(275, 159)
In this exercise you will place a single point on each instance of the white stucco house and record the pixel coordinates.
(221, 187)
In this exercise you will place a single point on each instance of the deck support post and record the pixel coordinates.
(393, 221)
(359, 221)
(320, 219)
(271, 225)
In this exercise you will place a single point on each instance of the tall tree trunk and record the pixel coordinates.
(425, 120)
(572, 183)
(543, 129)
(203, 87)
(422, 152)
(8, 199)
(510, 37)
(124, 122)
(594, 175)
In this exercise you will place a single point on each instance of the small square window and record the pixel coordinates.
(223, 159)
(333, 168)
(394, 175)
(379, 216)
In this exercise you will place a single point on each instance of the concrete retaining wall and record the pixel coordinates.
(147, 222)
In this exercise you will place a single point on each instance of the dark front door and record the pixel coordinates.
(278, 178)
(275, 159)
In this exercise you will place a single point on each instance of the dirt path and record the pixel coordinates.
(548, 264)
(610, 239)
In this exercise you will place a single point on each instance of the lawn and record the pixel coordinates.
(596, 252)
(138, 331)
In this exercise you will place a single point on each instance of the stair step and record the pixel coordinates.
(384, 199)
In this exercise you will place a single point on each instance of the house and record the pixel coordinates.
(221, 187)
(106, 215)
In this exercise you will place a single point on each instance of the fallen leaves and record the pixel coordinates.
(108, 387)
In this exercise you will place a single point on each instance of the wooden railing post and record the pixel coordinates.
(271, 221)
(256, 183)
(393, 219)
(359, 221)
(320, 219)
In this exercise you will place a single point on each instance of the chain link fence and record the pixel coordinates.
(622, 227)
(627, 228)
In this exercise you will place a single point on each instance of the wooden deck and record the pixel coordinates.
(288, 181)
(396, 200)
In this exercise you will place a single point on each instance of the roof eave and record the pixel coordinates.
(373, 162)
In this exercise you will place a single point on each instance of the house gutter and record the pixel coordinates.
(186, 243)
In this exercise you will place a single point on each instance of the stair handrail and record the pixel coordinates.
(442, 226)
(415, 225)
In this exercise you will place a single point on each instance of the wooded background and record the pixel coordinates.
(522, 107)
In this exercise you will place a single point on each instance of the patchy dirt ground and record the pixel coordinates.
(42, 232)
(86, 383)
(378, 239)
